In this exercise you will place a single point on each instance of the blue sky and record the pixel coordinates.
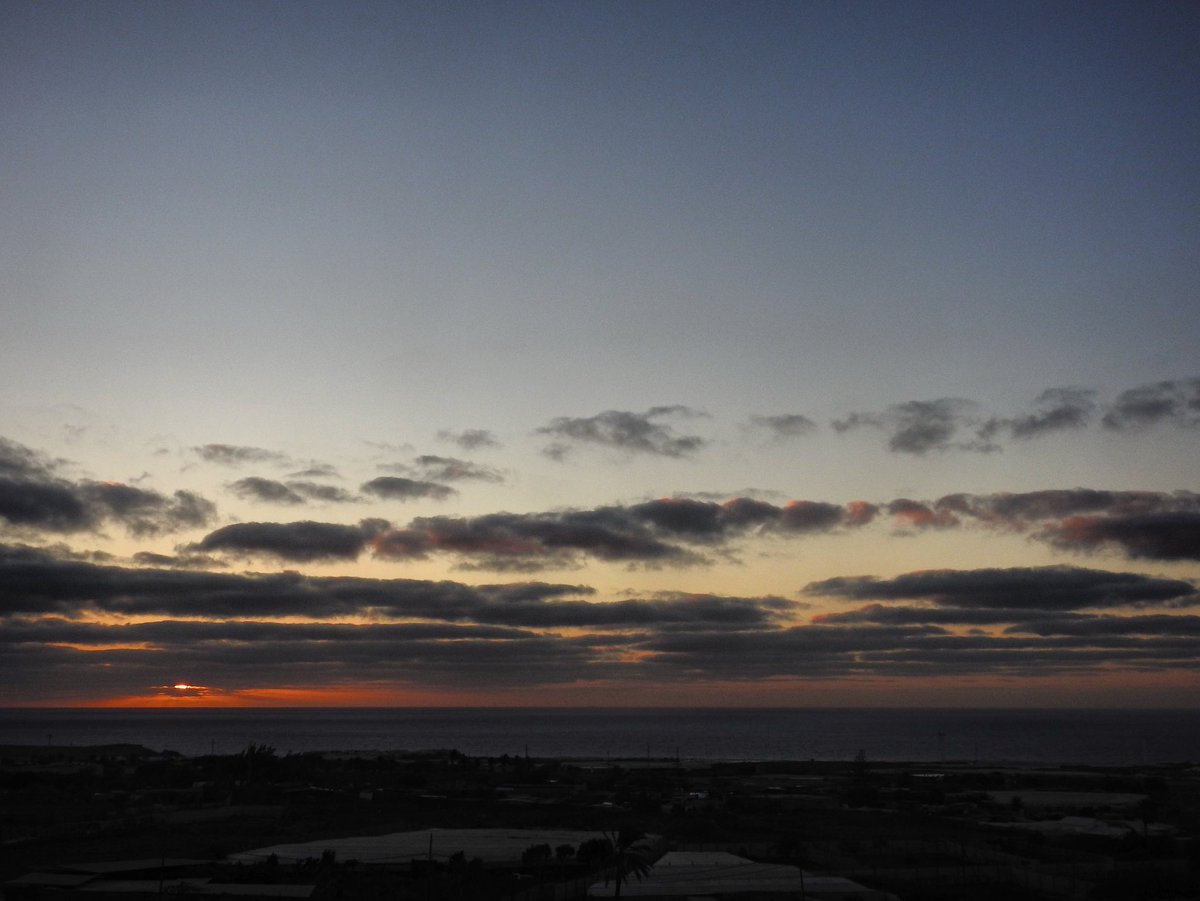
(827, 252)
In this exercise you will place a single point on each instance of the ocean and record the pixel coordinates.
(1053, 737)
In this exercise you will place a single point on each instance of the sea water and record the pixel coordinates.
(1093, 737)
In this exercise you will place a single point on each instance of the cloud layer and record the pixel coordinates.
(68, 623)
(35, 496)
(633, 433)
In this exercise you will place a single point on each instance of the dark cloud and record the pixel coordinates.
(854, 421)
(704, 611)
(329, 494)
(302, 542)
(291, 492)
(747, 512)
(467, 656)
(1176, 401)
(54, 506)
(1086, 625)
(177, 561)
(875, 650)
(1020, 510)
(660, 532)
(192, 633)
(1056, 409)
(446, 469)
(268, 491)
(35, 582)
(33, 497)
(235, 455)
(1173, 535)
(451, 469)
(402, 489)
(1050, 588)
(785, 425)
(683, 517)
(470, 439)
(625, 431)
(920, 426)
(882, 614)
(1140, 524)
(316, 471)
(810, 516)
(921, 516)
(605, 534)
(20, 462)
(424, 633)
(466, 659)
(860, 513)
(146, 513)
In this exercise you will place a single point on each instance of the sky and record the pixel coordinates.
(519, 354)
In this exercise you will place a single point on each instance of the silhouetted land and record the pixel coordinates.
(918, 830)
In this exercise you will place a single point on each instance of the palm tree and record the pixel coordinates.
(628, 857)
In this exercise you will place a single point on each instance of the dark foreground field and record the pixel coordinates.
(918, 831)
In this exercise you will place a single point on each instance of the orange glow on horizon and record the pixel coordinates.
(1105, 688)
(191, 696)
(93, 648)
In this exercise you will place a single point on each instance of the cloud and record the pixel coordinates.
(553, 538)
(882, 614)
(36, 582)
(33, 497)
(291, 492)
(784, 426)
(1089, 624)
(1140, 524)
(445, 469)
(810, 516)
(146, 513)
(921, 516)
(853, 421)
(20, 462)
(1020, 510)
(470, 439)
(1057, 409)
(302, 542)
(663, 532)
(235, 455)
(329, 494)
(920, 426)
(695, 520)
(676, 531)
(316, 471)
(1173, 535)
(1051, 588)
(227, 629)
(55, 506)
(402, 489)
(1176, 401)
(177, 561)
(270, 491)
(625, 431)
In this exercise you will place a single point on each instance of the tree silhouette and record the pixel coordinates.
(628, 857)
